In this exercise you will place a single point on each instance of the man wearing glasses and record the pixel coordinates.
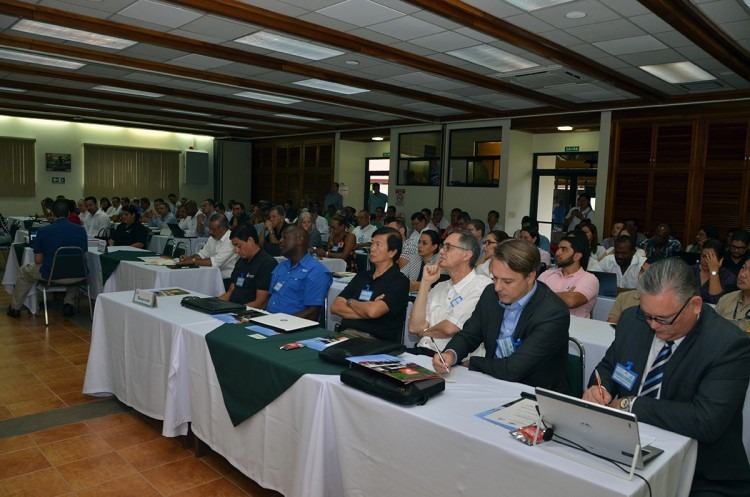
(521, 322)
(737, 252)
(680, 366)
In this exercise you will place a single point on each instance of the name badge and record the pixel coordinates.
(365, 295)
(277, 286)
(507, 346)
(240, 280)
(457, 301)
(623, 376)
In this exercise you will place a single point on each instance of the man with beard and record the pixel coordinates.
(576, 287)
(625, 263)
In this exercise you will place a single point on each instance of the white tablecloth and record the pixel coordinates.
(130, 275)
(11, 275)
(601, 309)
(137, 354)
(158, 242)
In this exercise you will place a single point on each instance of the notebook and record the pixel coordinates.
(601, 430)
(211, 305)
(178, 232)
(284, 323)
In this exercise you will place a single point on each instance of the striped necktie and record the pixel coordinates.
(652, 384)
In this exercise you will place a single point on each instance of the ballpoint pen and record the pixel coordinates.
(447, 369)
(599, 382)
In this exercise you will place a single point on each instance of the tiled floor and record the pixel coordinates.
(124, 454)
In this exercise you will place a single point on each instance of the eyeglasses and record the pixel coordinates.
(665, 322)
(447, 247)
(489, 242)
(738, 249)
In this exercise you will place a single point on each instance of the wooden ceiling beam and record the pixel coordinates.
(484, 22)
(694, 25)
(134, 33)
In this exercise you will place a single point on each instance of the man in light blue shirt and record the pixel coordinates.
(163, 216)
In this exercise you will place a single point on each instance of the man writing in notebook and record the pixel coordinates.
(521, 322)
(678, 365)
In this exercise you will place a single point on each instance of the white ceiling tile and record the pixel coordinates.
(151, 52)
(739, 29)
(445, 85)
(160, 13)
(627, 8)
(386, 70)
(530, 23)
(652, 58)
(285, 8)
(219, 28)
(445, 42)
(406, 28)
(673, 39)
(196, 36)
(416, 78)
(651, 23)
(609, 30)
(146, 77)
(645, 43)
(7, 21)
(328, 22)
(692, 52)
(360, 12)
(497, 9)
(411, 48)
(184, 84)
(83, 8)
(595, 12)
(562, 38)
(477, 35)
(724, 11)
(199, 62)
(437, 20)
(374, 37)
(238, 69)
(589, 51)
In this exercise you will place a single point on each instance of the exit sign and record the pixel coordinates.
(571, 149)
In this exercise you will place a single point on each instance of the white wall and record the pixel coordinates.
(68, 138)
(350, 168)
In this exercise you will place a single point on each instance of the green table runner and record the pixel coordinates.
(111, 260)
(252, 373)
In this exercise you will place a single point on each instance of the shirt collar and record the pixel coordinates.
(520, 303)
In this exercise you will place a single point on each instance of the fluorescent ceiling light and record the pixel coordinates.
(178, 111)
(128, 91)
(12, 90)
(565, 128)
(492, 58)
(291, 46)
(678, 72)
(529, 5)
(320, 84)
(72, 107)
(267, 98)
(38, 59)
(377, 138)
(294, 116)
(62, 33)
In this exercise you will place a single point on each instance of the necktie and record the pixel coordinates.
(652, 384)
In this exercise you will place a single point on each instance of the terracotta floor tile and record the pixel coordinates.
(78, 398)
(5, 413)
(129, 435)
(16, 443)
(40, 404)
(75, 449)
(95, 470)
(112, 421)
(19, 393)
(44, 483)
(80, 347)
(154, 453)
(78, 359)
(180, 475)
(46, 354)
(60, 433)
(133, 485)
(218, 463)
(250, 486)
(10, 370)
(58, 373)
(216, 488)
(21, 462)
(48, 365)
(67, 383)
(17, 338)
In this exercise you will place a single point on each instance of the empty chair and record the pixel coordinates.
(607, 283)
(68, 269)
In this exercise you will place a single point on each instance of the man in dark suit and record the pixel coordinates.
(678, 365)
(522, 323)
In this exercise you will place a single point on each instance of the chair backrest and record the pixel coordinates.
(68, 263)
(179, 249)
(607, 283)
(168, 247)
(103, 234)
(576, 370)
(362, 261)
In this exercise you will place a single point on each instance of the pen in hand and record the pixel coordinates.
(599, 382)
(447, 369)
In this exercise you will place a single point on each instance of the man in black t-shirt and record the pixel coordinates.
(251, 278)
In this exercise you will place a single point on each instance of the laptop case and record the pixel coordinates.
(211, 305)
(390, 389)
(358, 346)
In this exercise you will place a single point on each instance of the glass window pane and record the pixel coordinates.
(475, 157)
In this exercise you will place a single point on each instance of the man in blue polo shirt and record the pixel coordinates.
(299, 285)
(61, 233)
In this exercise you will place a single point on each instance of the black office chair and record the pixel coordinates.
(607, 283)
(68, 269)
(576, 371)
(103, 234)
(180, 249)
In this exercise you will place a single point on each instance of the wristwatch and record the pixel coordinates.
(349, 302)
(626, 403)
(714, 273)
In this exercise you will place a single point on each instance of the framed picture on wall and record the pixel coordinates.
(58, 162)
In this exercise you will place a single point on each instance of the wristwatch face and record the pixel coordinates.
(713, 273)
(624, 403)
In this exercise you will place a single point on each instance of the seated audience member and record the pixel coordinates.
(738, 243)
(712, 279)
(299, 285)
(144, 209)
(687, 372)
(573, 284)
(428, 252)
(251, 277)
(522, 323)
(130, 231)
(475, 227)
(377, 217)
(46, 205)
(320, 222)
(374, 302)
(628, 298)
(418, 224)
(61, 233)
(304, 221)
(189, 224)
(455, 223)
(625, 263)
(427, 213)
(609, 243)
(703, 234)
(409, 249)
(94, 219)
(490, 242)
(735, 306)
(341, 243)
(73, 216)
(492, 221)
(631, 224)
(593, 264)
(439, 221)
(162, 218)
(270, 235)
(662, 244)
(172, 203)
(582, 210)
(106, 206)
(531, 235)
(441, 309)
(239, 216)
(364, 230)
(218, 251)
(596, 251)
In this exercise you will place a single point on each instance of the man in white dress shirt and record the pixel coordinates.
(94, 219)
(364, 230)
(218, 250)
(625, 263)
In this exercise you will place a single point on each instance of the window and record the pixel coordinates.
(17, 161)
(419, 158)
(475, 157)
(115, 171)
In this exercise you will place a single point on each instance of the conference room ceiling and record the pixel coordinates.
(225, 67)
